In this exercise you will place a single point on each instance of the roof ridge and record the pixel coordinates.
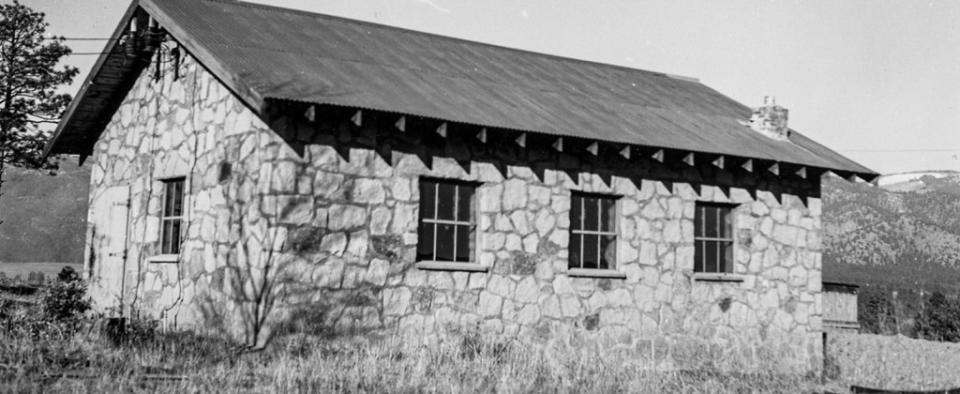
(449, 38)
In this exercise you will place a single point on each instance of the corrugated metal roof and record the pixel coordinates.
(276, 53)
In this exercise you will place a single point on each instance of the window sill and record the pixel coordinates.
(451, 266)
(718, 277)
(595, 273)
(164, 258)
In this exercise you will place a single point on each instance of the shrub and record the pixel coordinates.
(66, 299)
(939, 319)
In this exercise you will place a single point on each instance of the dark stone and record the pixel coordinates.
(725, 304)
(590, 322)
(604, 284)
(364, 297)
(389, 247)
(745, 237)
(422, 300)
(304, 239)
(524, 263)
(226, 169)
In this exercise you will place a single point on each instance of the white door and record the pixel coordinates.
(107, 252)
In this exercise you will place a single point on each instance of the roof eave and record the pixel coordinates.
(66, 119)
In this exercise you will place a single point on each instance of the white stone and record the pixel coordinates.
(341, 217)
(514, 194)
(652, 210)
(367, 191)
(400, 189)
(334, 243)
(560, 203)
(539, 195)
(798, 276)
(489, 304)
(527, 290)
(520, 223)
(551, 307)
(514, 242)
(570, 305)
(545, 222)
(379, 220)
(528, 315)
(530, 243)
(562, 285)
(359, 241)
(490, 198)
(396, 301)
(671, 231)
(501, 285)
(377, 272)
(404, 218)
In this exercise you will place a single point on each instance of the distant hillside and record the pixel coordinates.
(44, 216)
(906, 232)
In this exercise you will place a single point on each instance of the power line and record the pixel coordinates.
(898, 150)
(81, 38)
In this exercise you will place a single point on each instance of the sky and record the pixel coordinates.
(876, 80)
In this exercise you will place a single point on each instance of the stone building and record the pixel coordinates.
(257, 170)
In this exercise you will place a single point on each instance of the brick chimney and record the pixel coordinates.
(770, 119)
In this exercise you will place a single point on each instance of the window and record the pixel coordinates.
(171, 219)
(446, 230)
(592, 231)
(713, 236)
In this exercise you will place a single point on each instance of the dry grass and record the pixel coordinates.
(462, 362)
(894, 362)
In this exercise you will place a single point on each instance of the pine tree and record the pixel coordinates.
(29, 78)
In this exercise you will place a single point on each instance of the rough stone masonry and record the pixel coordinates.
(292, 225)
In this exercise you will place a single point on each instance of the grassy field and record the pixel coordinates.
(183, 363)
(38, 354)
(42, 354)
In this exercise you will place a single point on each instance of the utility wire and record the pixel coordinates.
(81, 38)
(898, 150)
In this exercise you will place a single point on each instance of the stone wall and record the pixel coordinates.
(312, 226)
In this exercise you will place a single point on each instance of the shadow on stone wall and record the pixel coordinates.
(271, 271)
(334, 126)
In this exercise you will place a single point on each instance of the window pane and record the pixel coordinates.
(575, 251)
(167, 199)
(445, 201)
(698, 256)
(177, 198)
(710, 256)
(608, 249)
(590, 214)
(175, 237)
(464, 236)
(427, 199)
(608, 214)
(710, 222)
(165, 237)
(726, 222)
(698, 222)
(591, 251)
(464, 205)
(425, 242)
(445, 241)
(576, 212)
(726, 264)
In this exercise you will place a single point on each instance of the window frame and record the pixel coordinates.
(611, 270)
(472, 264)
(725, 268)
(169, 255)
